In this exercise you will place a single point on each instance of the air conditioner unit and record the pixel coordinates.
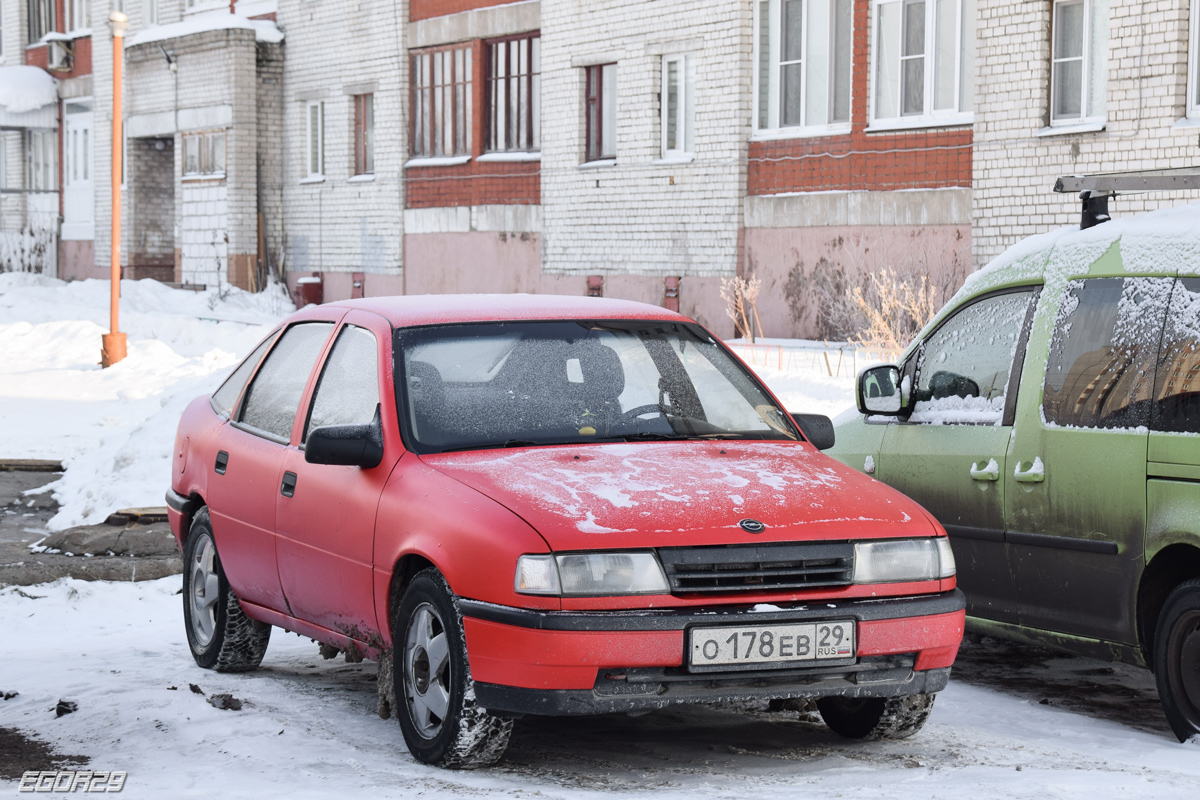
(59, 56)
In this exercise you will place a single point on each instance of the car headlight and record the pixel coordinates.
(902, 560)
(583, 574)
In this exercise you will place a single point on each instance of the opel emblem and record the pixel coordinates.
(752, 526)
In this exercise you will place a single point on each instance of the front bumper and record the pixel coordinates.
(528, 662)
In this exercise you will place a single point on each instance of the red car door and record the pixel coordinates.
(249, 463)
(327, 524)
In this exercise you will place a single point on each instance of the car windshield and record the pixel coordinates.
(510, 384)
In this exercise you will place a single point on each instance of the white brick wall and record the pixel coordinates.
(336, 51)
(687, 215)
(1014, 168)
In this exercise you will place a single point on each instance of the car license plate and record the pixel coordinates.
(772, 644)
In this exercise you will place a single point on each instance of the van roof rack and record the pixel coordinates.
(1094, 190)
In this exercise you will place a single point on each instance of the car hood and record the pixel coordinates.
(664, 494)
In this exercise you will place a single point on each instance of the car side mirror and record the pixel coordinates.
(817, 428)
(881, 391)
(346, 445)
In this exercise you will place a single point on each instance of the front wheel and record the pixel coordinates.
(1177, 659)
(435, 698)
(219, 633)
(871, 718)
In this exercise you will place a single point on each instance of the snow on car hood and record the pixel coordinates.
(661, 494)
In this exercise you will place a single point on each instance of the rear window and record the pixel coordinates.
(224, 399)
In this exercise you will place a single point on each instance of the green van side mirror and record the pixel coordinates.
(881, 391)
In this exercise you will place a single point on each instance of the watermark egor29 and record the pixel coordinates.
(71, 780)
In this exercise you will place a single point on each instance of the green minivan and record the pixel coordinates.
(1049, 417)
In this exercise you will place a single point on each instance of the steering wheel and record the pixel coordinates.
(638, 411)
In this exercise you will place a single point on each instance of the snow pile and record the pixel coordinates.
(219, 20)
(115, 428)
(25, 88)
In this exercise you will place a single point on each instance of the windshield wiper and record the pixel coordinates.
(645, 437)
(500, 445)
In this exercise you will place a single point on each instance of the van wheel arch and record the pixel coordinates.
(1170, 567)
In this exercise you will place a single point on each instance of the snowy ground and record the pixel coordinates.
(113, 428)
(308, 728)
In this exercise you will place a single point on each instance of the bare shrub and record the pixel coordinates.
(896, 300)
(824, 290)
(741, 298)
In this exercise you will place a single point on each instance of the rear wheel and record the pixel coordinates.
(219, 633)
(1177, 659)
(435, 698)
(873, 718)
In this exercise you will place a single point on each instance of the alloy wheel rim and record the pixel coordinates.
(1184, 654)
(205, 587)
(427, 671)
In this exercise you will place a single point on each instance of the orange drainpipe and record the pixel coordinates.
(112, 348)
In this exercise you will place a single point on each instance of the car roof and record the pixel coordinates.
(440, 309)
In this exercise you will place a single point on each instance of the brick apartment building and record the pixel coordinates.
(632, 148)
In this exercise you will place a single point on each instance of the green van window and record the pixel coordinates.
(1176, 405)
(1100, 373)
(964, 367)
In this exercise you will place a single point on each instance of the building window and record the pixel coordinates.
(314, 138)
(1, 40)
(198, 4)
(803, 51)
(677, 109)
(364, 134)
(42, 159)
(203, 154)
(151, 11)
(924, 60)
(41, 19)
(1078, 61)
(441, 102)
(513, 94)
(601, 101)
(77, 15)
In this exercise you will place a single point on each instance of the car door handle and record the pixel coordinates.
(222, 462)
(288, 487)
(988, 472)
(1036, 473)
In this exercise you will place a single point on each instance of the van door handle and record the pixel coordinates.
(1036, 473)
(222, 462)
(288, 487)
(989, 472)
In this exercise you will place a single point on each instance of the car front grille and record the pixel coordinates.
(742, 568)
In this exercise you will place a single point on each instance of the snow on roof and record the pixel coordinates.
(218, 20)
(431, 309)
(1166, 241)
(25, 88)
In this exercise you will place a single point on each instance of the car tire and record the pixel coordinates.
(220, 635)
(1177, 659)
(435, 697)
(871, 718)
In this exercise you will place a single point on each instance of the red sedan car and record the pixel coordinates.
(549, 505)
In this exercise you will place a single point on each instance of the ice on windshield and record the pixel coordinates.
(494, 384)
(965, 365)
